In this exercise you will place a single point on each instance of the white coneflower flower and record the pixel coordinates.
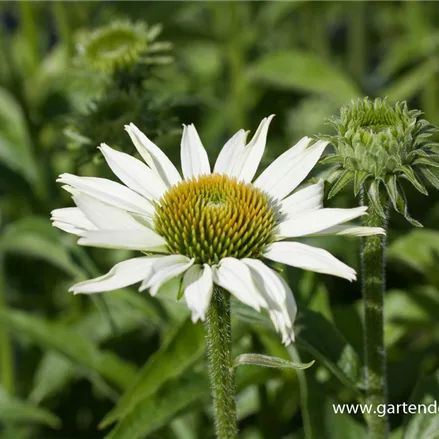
(209, 227)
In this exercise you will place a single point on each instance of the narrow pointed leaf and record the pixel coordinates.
(268, 361)
(359, 178)
(183, 348)
(334, 175)
(392, 190)
(401, 207)
(14, 410)
(299, 70)
(152, 413)
(330, 159)
(375, 198)
(411, 177)
(70, 344)
(434, 181)
(320, 338)
(324, 342)
(424, 425)
(424, 161)
(343, 180)
(34, 237)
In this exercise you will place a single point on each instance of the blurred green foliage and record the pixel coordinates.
(71, 364)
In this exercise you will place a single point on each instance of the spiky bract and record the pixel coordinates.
(378, 144)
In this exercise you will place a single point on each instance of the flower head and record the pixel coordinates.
(376, 143)
(209, 227)
(120, 44)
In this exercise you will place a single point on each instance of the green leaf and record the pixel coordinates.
(408, 173)
(325, 343)
(152, 413)
(434, 181)
(268, 361)
(401, 207)
(329, 159)
(396, 434)
(15, 144)
(408, 50)
(53, 374)
(271, 13)
(183, 348)
(409, 311)
(342, 425)
(128, 310)
(343, 180)
(299, 70)
(392, 190)
(424, 425)
(322, 340)
(70, 344)
(375, 197)
(14, 410)
(410, 83)
(418, 249)
(426, 161)
(35, 237)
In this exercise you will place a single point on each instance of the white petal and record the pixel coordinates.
(280, 300)
(235, 277)
(71, 220)
(135, 174)
(352, 230)
(194, 159)
(305, 200)
(290, 169)
(198, 289)
(230, 153)
(248, 161)
(144, 239)
(154, 156)
(104, 216)
(165, 269)
(121, 275)
(109, 192)
(316, 221)
(310, 258)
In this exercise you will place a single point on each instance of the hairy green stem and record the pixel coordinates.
(219, 353)
(373, 269)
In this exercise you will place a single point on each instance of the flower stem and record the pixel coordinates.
(373, 268)
(219, 352)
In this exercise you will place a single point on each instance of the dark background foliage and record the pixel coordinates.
(66, 360)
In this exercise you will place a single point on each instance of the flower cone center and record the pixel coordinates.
(213, 217)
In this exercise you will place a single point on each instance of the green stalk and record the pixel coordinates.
(29, 27)
(236, 61)
(357, 41)
(219, 352)
(62, 23)
(6, 355)
(429, 99)
(373, 269)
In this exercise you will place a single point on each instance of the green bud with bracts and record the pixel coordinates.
(376, 145)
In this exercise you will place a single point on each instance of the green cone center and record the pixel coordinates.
(213, 217)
